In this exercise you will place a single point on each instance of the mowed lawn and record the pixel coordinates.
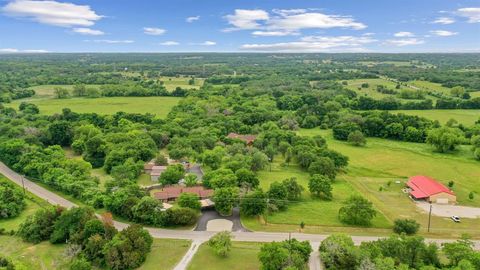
(243, 256)
(315, 213)
(159, 106)
(374, 169)
(40, 256)
(165, 254)
(466, 117)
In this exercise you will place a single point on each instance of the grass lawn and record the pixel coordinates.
(430, 86)
(383, 161)
(315, 213)
(40, 256)
(144, 180)
(165, 254)
(47, 90)
(160, 106)
(466, 117)
(173, 82)
(243, 256)
(33, 203)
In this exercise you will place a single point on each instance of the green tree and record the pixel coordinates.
(324, 166)
(289, 254)
(148, 210)
(457, 91)
(259, 161)
(406, 226)
(247, 178)
(277, 196)
(12, 200)
(80, 264)
(61, 133)
(128, 249)
(356, 138)
(79, 90)
(444, 139)
(294, 190)
(61, 92)
(357, 211)
(225, 199)
(320, 186)
(71, 223)
(39, 226)
(338, 252)
(172, 174)
(221, 243)
(189, 200)
(254, 203)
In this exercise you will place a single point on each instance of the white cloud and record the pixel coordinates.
(208, 43)
(52, 12)
(192, 19)
(274, 33)
(404, 34)
(154, 31)
(169, 43)
(88, 31)
(443, 33)
(472, 13)
(404, 42)
(246, 19)
(315, 44)
(282, 21)
(12, 50)
(111, 41)
(444, 20)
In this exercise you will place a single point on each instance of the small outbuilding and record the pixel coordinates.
(156, 171)
(428, 189)
(247, 138)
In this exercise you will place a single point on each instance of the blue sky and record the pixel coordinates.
(240, 26)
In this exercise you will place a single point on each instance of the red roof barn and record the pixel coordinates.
(426, 188)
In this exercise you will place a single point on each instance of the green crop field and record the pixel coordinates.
(243, 256)
(384, 161)
(108, 105)
(466, 117)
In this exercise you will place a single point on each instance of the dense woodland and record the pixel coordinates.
(270, 96)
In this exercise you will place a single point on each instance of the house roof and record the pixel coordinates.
(174, 192)
(424, 187)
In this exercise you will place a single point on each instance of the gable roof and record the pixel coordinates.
(424, 187)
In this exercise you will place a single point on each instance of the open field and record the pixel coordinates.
(383, 161)
(430, 86)
(313, 212)
(109, 105)
(466, 117)
(40, 256)
(165, 254)
(371, 90)
(243, 256)
(173, 82)
(47, 90)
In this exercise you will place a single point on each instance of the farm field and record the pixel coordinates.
(383, 161)
(243, 256)
(159, 106)
(466, 117)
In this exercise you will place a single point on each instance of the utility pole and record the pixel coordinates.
(23, 184)
(429, 217)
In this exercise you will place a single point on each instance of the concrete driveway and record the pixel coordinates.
(211, 215)
(447, 210)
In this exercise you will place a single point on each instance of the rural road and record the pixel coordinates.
(199, 237)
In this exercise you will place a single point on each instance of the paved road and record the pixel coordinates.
(197, 236)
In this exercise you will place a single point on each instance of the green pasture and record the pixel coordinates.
(165, 254)
(465, 117)
(371, 90)
(159, 106)
(374, 170)
(243, 256)
(173, 82)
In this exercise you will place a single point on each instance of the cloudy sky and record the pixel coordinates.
(239, 26)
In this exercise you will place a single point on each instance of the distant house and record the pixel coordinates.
(172, 193)
(428, 189)
(248, 139)
(156, 171)
(147, 168)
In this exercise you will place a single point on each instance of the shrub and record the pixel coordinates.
(39, 226)
(406, 226)
(357, 211)
(189, 200)
(180, 216)
(221, 243)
